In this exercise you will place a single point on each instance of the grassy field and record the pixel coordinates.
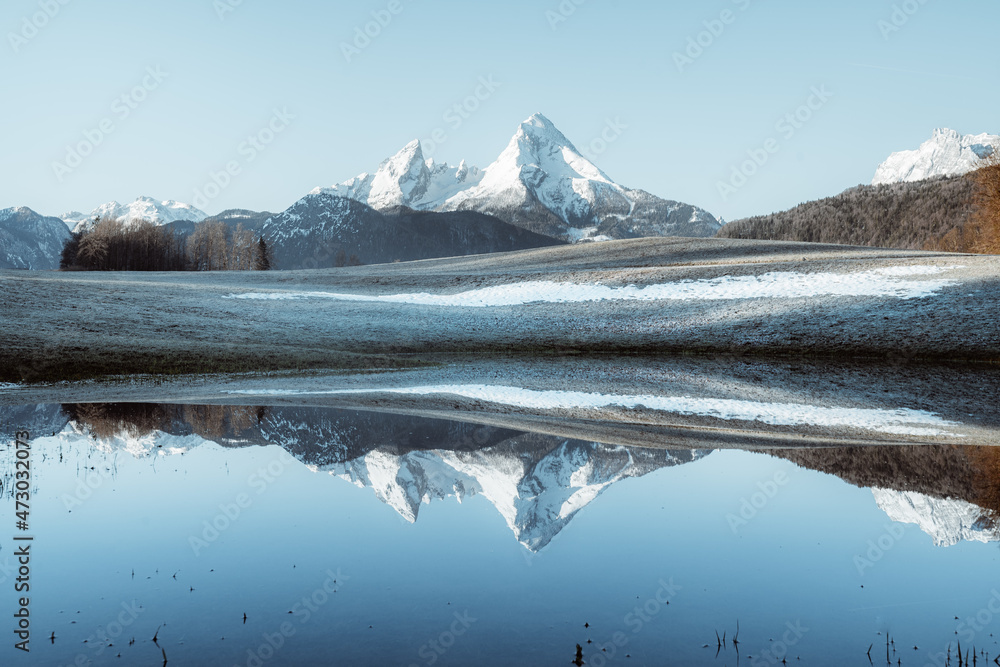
(76, 326)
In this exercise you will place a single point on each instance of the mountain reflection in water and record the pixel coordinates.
(536, 482)
(214, 523)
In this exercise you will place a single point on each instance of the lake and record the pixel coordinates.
(293, 535)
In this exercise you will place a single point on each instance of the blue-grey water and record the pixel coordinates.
(350, 538)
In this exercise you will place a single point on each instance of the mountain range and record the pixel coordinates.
(540, 191)
(540, 182)
(143, 208)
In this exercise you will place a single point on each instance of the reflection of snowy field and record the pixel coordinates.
(895, 422)
(895, 282)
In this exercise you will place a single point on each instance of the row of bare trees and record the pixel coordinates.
(109, 245)
(112, 245)
(212, 248)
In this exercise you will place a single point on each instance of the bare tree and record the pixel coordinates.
(243, 250)
(96, 246)
(208, 248)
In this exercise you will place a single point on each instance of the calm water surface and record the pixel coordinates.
(351, 538)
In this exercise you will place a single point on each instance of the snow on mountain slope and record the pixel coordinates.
(541, 162)
(143, 208)
(407, 179)
(948, 522)
(74, 218)
(540, 181)
(537, 490)
(29, 240)
(947, 153)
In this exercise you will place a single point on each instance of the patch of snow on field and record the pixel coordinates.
(7, 386)
(895, 422)
(893, 282)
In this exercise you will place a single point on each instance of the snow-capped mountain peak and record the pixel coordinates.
(540, 182)
(400, 179)
(539, 142)
(143, 208)
(946, 153)
(541, 164)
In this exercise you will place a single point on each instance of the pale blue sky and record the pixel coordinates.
(685, 132)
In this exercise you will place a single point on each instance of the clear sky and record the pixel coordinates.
(223, 67)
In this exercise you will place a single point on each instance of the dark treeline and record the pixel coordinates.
(112, 245)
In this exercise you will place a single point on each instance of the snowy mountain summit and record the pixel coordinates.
(947, 153)
(143, 208)
(540, 182)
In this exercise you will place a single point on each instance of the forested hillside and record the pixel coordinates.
(910, 216)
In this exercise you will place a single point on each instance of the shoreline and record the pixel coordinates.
(685, 403)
